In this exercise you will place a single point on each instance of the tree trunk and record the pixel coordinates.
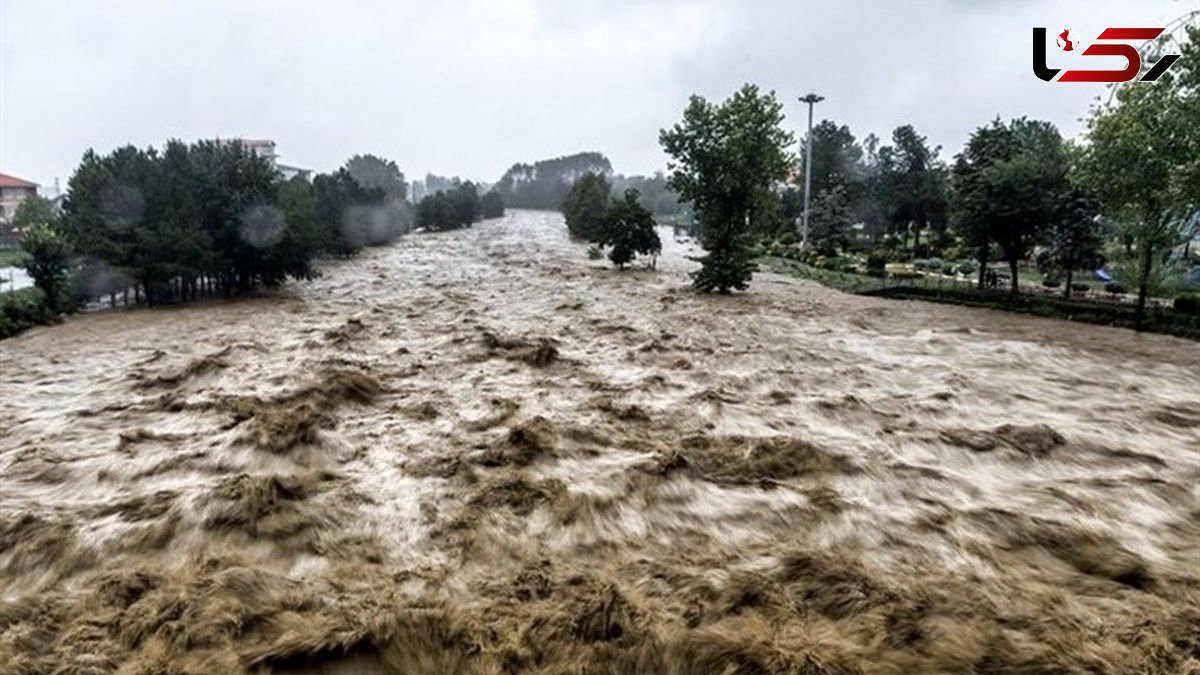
(1143, 287)
(1067, 289)
(983, 262)
(1012, 269)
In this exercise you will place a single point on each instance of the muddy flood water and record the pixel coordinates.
(480, 452)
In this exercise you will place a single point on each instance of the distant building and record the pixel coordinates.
(262, 147)
(13, 191)
(265, 148)
(290, 172)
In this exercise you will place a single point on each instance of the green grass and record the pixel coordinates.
(11, 257)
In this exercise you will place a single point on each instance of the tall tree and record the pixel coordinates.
(491, 205)
(1009, 183)
(339, 197)
(830, 226)
(837, 159)
(1141, 162)
(189, 216)
(545, 183)
(629, 230)
(377, 173)
(1074, 235)
(586, 205)
(34, 210)
(914, 183)
(725, 160)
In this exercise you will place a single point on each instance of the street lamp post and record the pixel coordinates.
(810, 99)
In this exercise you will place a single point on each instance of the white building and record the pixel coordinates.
(265, 148)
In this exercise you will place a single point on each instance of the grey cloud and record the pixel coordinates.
(469, 87)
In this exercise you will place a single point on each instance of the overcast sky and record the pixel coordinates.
(468, 88)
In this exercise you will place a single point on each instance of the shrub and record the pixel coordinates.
(876, 263)
(1052, 283)
(850, 267)
(1082, 288)
(1115, 288)
(24, 309)
(905, 274)
(594, 252)
(1189, 303)
(949, 268)
(967, 267)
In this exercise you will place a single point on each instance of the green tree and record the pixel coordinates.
(304, 234)
(725, 160)
(629, 230)
(340, 200)
(655, 195)
(377, 173)
(837, 160)
(34, 210)
(913, 184)
(1074, 236)
(586, 205)
(830, 220)
(545, 184)
(1140, 160)
(491, 205)
(447, 210)
(1009, 183)
(48, 260)
(466, 204)
(193, 217)
(435, 212)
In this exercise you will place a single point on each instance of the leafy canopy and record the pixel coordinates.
(629, 230)
(725, 160)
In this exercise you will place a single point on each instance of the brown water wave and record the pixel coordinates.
(479, 452)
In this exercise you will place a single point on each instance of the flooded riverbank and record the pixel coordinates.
(481, 452)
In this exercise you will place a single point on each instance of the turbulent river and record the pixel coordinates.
(480, 452)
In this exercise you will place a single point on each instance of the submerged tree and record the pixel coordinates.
(586, 205)
(629, 230)
(725, 160)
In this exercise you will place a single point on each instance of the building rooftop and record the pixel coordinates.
(14, 182)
